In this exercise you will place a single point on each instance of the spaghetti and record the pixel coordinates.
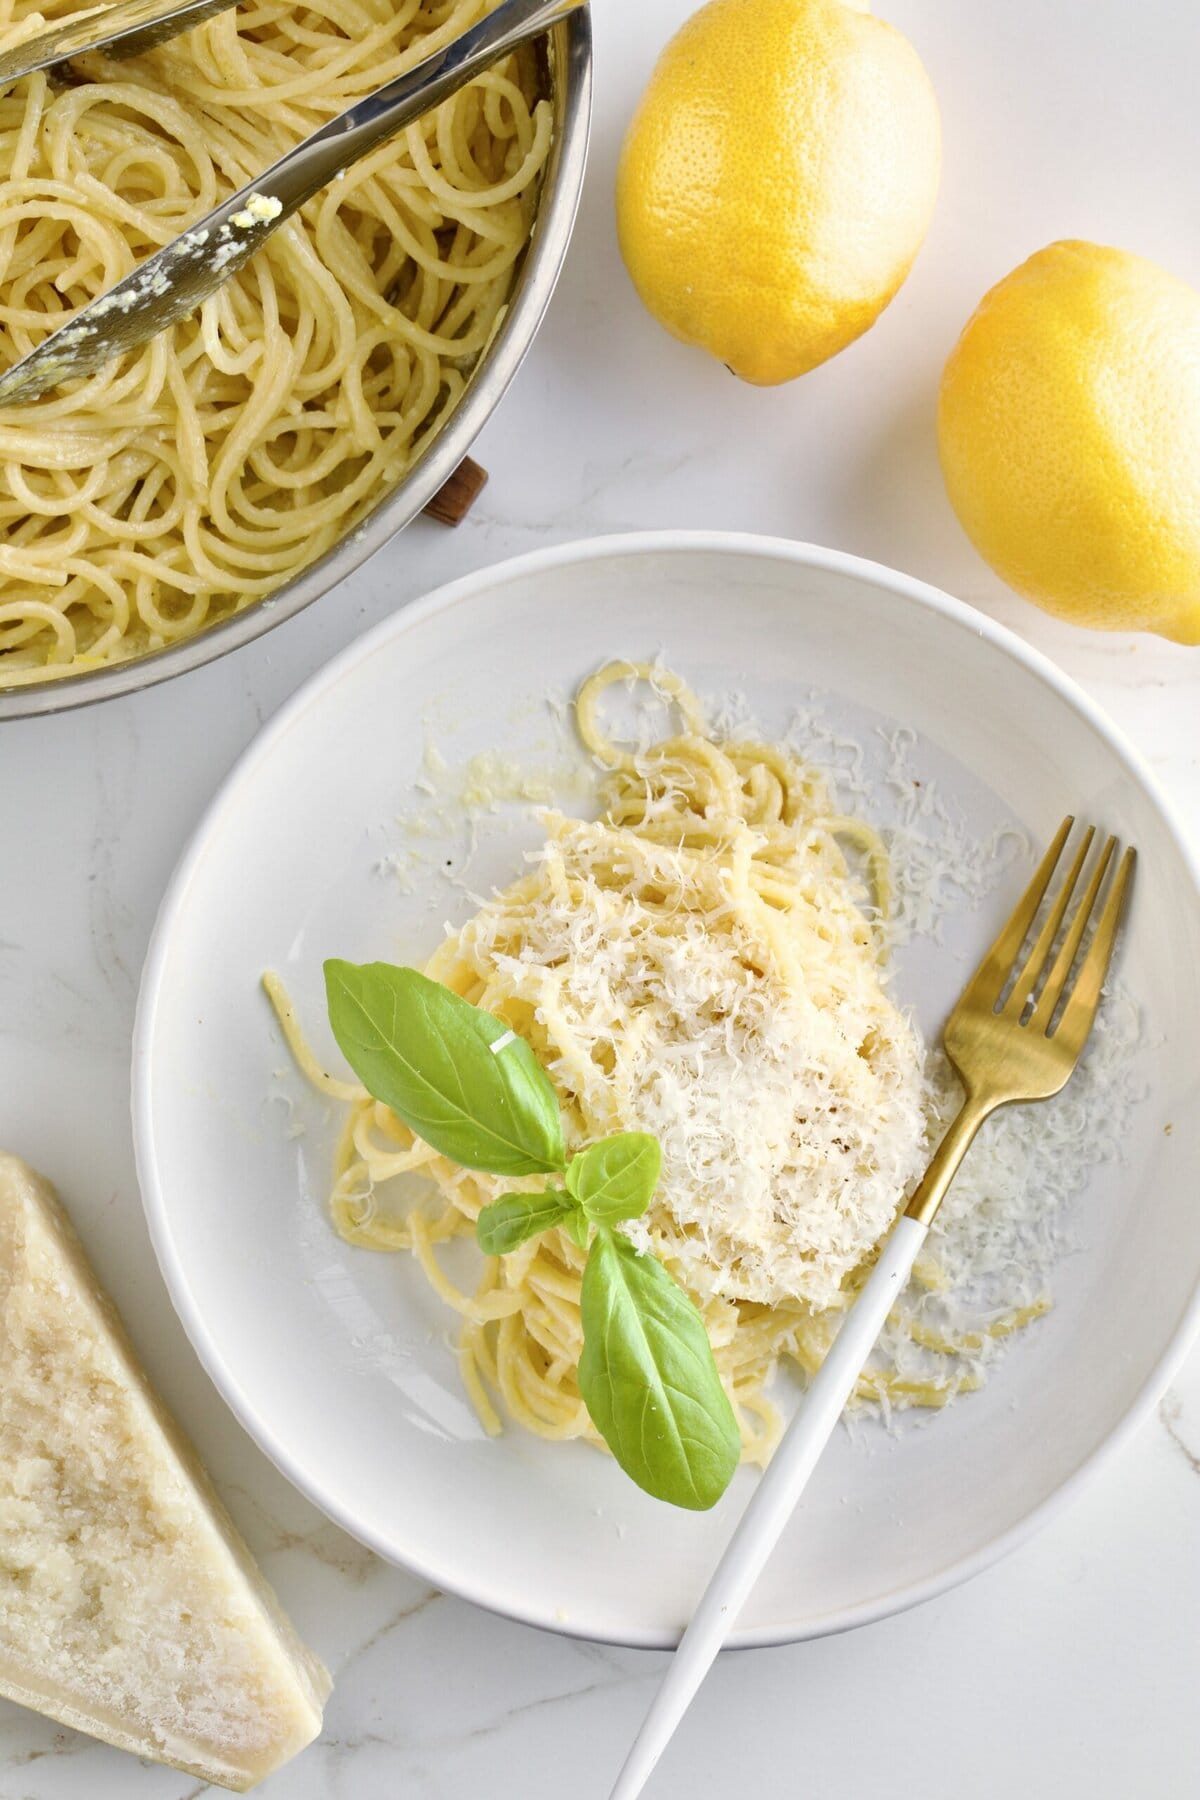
(194, 476)
(701, 962)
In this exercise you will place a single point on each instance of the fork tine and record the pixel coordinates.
(996, 966)
(1036, 961)
(1080, 1010)
(1056, 981)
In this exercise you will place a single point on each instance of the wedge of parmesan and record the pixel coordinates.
(129, 1606)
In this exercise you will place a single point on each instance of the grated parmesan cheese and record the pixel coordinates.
(789, 1104)
(794, 1103)
(1006, 1222)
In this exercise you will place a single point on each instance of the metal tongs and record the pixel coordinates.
(126, 29)
(176, 279)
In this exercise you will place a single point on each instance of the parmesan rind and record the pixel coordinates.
(129, 1606)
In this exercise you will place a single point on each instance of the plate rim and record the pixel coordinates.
(412, 616)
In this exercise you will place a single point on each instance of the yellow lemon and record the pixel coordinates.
(1069, 428)
(777, 180)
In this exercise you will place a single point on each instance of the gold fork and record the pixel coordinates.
(1016, 1034)
(1025, 1046)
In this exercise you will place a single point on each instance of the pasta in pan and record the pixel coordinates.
(190, 478)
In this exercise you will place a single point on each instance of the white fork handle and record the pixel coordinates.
(772, 1504)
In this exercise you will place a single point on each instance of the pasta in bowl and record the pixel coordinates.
(347, 1366)
(273, 440)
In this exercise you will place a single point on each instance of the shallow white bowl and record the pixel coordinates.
(338, 1361)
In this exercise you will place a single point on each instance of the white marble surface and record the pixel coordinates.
(1072, 1668)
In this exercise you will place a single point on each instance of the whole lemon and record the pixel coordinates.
(777, 180)
(1069, 429)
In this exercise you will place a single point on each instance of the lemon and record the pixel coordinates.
(777, 180)
(1069, 429)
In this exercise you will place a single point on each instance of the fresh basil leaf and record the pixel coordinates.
(507, 1222)
(515, 1217)
(429, 1055)
(648, 1378)
(616, 1178)
(576, 1226)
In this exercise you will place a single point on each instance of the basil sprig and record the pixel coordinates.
(475, 1092)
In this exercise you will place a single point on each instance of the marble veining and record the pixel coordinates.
(1170, 1412)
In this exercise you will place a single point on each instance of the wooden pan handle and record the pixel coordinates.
(455, 498)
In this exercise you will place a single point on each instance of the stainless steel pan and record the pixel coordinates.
(568, 65)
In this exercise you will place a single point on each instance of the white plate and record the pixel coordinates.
(338, 1361)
